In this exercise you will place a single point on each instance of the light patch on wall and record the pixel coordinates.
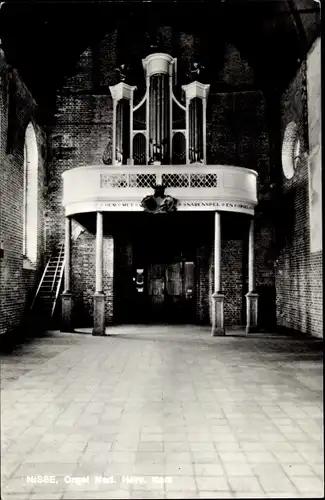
(315, 200)
(30, 215)
(315, 147)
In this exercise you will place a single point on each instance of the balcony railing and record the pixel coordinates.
(195, 186)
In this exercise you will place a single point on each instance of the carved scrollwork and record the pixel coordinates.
(195, 71)
(159, 203)
(107, 155)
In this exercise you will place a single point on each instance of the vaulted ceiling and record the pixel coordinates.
(44, 40)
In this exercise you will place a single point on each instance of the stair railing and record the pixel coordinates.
(59, 284)
(57, 267)
(40, 284)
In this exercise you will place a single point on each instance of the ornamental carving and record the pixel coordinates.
(159, 203)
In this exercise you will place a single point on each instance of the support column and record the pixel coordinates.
(66, 297)
(99, 297)
(251, 296)
(218, 327)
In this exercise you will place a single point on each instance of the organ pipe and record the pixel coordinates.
(163, 112)
(170, 104)
(158, 117)
(196, 125)
(158, 123)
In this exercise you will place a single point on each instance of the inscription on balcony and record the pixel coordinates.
(194, 204)
(216, 204)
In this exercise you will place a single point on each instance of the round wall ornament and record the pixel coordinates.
(291, 150)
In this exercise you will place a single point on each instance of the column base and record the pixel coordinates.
(66, 312)
(251, 312)
(218, 327)
(99, 314)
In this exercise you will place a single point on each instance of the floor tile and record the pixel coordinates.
(238, 469)
(298, 469)
(258, 457)
(208, 470)
(208, 483)
(245, 483)
(307, 483)
(215, 494)
(181, 483)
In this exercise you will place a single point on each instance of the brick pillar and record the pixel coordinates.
(66, 297)
(251, 296)
(218, 327)
(99, 297)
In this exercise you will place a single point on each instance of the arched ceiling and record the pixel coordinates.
(44, 40)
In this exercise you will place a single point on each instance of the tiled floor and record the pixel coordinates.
(162, 412)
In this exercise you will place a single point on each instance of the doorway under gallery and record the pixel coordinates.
(163, 267)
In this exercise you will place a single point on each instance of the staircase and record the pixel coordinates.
(46, 297)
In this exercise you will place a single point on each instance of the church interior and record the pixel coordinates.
(161, 276)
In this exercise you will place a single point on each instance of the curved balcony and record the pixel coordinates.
(197, 187)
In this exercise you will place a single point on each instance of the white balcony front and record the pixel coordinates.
(196, 187)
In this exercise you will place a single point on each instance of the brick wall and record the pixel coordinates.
(84, 278)
(123, 284)
(203, 290)
(299, 269)
(79, 137)
(17, 283)
(233, 281)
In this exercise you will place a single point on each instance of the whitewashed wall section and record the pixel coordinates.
(315, 146)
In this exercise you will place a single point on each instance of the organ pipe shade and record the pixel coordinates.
(139, 149)
(159, 116)
(195, 130)
(122, 131)
(179, 149)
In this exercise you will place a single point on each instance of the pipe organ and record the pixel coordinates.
(159, 130)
